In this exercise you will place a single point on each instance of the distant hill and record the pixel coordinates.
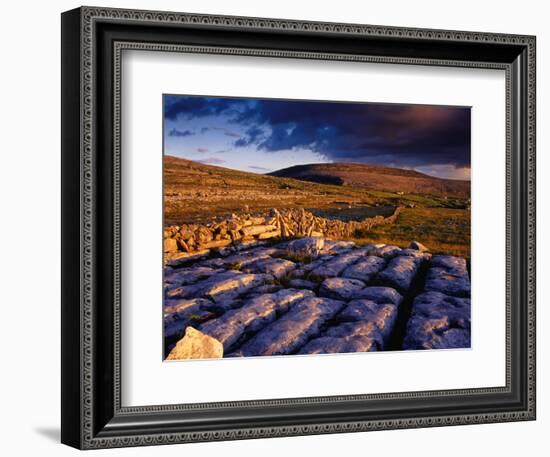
(374, 177)
(196, 192)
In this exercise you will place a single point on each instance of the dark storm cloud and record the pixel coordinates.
(399, 135)
(252, 136)
(225, 131)
(176, 132)
(191, 107)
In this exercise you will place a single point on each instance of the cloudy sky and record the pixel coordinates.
(262, 135)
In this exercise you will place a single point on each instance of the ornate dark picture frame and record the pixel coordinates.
(92, 42)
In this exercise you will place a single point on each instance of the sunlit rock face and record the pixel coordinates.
(196, 345)
(315, 296)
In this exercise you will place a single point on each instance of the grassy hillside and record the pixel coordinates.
(377, 178)
(200, 193)
(194, 192)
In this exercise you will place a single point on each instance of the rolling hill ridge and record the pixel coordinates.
(377, 178)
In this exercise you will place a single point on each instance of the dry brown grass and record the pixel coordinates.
(442, 230)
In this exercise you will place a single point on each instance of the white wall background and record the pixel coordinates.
(30, 240)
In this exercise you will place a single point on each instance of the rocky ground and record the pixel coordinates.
(314, 296)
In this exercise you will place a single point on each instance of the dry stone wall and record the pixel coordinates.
(188, 240)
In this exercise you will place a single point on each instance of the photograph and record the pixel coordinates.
(303, 227)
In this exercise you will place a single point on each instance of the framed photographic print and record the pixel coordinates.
(273, 227)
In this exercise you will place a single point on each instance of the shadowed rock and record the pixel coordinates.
(252, 316)
(449, 275)
(286, 335)
(340, 288)
(383, 315)
(308, 267)
(379, 294)
(196, 345)
(302, 284)
(364, 270)
(438, 321)
(451, 282)
(332, 345)
(449, 262)
(264, 289)
(399, 273)
(367, 329)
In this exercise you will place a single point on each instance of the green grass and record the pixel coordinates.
(442, 230)
(236, 266)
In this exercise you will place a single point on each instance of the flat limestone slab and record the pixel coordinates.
(449, 262)
(448, 281)
(273, 266)
(336, 265)
(383, 315)
(364, 270)
(288, 334)
(360, 328)
(252, 316)
(438, 321)
(220, 286)
(340, 288)
(399, 273)
(379, 294)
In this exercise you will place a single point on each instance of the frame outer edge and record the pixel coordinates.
(88, 16)
(71, 305)
(531, 226)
